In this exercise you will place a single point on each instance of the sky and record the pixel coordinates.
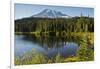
(27, 10)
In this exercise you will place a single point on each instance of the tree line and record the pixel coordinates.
(73, 24)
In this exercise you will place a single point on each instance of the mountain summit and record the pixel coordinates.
(48, 13)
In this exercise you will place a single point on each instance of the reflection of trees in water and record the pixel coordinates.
(51, 41)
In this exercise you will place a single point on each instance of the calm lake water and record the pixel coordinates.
(48, 46)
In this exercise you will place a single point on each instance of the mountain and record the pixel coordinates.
(48, 13)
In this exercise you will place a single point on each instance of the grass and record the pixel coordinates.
(35, 57)
(71, 59)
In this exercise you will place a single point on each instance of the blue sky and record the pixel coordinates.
(27, 10)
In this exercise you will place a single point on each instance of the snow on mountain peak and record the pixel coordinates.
(48, 13)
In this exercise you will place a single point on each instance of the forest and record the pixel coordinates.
(54, 26)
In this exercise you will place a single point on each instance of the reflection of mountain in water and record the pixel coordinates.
(48, 46)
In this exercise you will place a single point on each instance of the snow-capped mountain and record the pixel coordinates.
(48, 13)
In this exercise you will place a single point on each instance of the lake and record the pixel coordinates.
(50, 46)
